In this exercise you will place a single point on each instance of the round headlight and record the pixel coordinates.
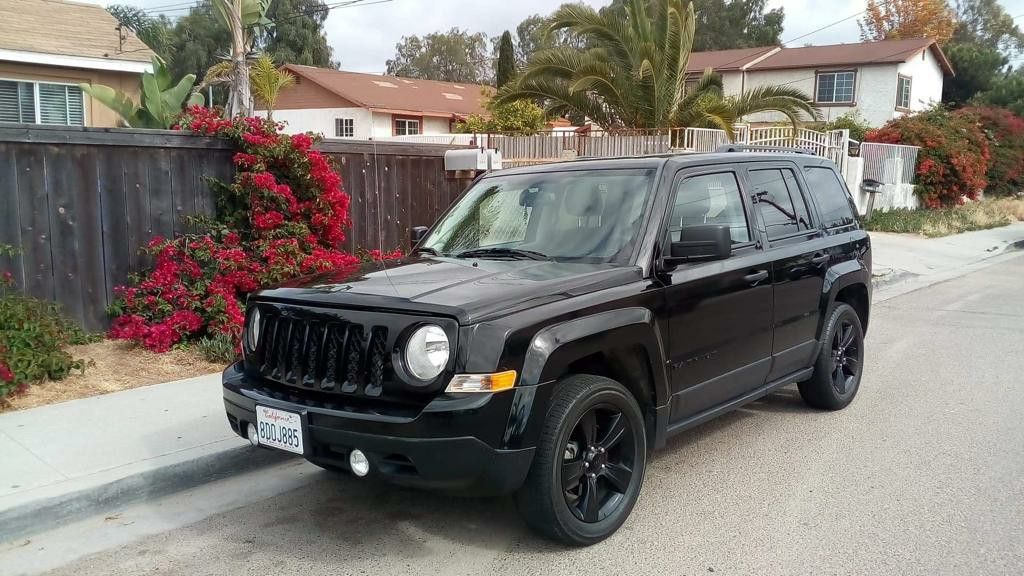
(426, 352)
(254, 328)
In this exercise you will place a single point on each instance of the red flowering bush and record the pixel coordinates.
(283, 215)
(953, 159)
(1005, 133)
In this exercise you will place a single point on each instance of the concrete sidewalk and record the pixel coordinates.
(76, 458)
(905, 262)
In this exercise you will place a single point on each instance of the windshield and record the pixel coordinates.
(572, 216)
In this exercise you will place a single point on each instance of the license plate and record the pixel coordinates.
(279, 429)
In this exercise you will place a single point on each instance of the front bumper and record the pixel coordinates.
(454, 443)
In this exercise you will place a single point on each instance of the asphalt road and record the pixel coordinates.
(922, 474)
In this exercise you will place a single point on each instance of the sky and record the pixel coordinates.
(364, 36)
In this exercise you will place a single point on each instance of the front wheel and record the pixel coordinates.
(589, 465)
(838, 368)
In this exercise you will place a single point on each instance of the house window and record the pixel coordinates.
(41, 103)
(344, 128)
(903, 93)
(407, 126)
(835, 87)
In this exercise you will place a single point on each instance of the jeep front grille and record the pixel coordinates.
(323, 354)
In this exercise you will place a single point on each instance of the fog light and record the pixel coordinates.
(358, 462)
(250, 432)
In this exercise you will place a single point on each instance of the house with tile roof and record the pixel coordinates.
(341, 104)
(879, 80)
(49, 47)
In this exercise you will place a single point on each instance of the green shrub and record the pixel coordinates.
(945, 221)
(851, 121)
(33, 335)
(217, 348)
(1005, 132)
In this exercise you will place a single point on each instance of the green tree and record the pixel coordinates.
(986, 23)
(977, 67)
(727, 24)
(505, 69)
(154, 31)
(521, 116)
(634, 73)
(297, 36)
(453, 56)
(1008, 92)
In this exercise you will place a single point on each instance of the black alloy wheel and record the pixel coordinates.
(589, 463)
(840, 362)
(598, 463)
(846, 358)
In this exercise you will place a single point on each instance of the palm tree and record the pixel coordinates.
(632, 73)
(266, 82)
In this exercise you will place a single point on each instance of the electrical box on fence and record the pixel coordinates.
(475, 159)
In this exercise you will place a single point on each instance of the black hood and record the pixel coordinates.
(467, 289)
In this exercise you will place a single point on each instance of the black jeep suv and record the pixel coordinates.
(559, 322)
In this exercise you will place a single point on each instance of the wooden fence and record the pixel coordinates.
(80, 203)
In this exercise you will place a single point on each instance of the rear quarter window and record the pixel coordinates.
(834, 204)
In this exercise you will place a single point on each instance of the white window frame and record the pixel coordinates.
(419, 126)
(339, 127)
(835, 73)
(35, 99)
(899, 91)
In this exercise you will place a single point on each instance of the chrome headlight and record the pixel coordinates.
(253, 329)
(426, 352)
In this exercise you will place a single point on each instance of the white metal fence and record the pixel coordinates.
(889, 163)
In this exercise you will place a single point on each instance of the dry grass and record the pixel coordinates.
(946, 221)
(115, 366)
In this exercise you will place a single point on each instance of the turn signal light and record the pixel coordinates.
(482, 382)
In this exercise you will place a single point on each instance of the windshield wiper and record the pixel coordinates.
(503, 252)
(430, 251)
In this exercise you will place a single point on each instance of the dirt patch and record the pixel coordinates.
(116, 366)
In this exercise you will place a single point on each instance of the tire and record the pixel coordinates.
(567, 514)
(840, 362)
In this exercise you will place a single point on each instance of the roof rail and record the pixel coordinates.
(749, 148)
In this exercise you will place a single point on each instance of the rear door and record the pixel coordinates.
(719, 312)
(795, 245)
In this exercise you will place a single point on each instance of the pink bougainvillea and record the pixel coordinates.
(283, 215)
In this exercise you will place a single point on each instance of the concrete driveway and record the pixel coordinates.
(922, 474)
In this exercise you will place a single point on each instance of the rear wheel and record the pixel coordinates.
(837, 371)
(589, 465)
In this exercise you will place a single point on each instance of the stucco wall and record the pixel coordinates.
(926, 80)
(874, 95)
(96, 114)
(321, 120)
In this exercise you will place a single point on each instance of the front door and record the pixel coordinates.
(799, 260)
(720, 311)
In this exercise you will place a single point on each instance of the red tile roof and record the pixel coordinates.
(884, 51)
(398, 95)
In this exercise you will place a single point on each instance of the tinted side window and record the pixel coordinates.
(781, 205)
(833, 203)
(710, 199)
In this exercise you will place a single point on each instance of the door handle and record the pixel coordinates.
(820, 258)
(755, 277)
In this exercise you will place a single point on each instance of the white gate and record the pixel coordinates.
(831, 144)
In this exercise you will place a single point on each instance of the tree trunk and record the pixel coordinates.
(240, 100)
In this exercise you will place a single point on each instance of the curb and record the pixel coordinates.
(48, 513)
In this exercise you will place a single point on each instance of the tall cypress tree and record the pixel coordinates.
(506, 68)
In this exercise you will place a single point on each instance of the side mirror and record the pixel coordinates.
(703, 242)
(417, 233)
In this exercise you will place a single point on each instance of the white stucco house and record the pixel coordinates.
(341, 104)
(880, 80)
